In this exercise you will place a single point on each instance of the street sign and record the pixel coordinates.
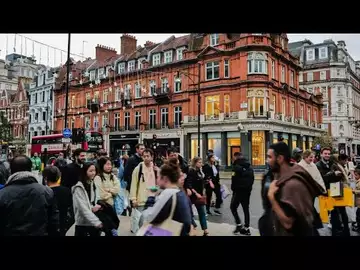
(65, 140)
(67, 133)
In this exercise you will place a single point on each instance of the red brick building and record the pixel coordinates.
(249, 89)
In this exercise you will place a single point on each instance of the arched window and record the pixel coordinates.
(257, 63)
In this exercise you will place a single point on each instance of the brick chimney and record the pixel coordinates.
(127, 44)
(149, 43)
(104, 52)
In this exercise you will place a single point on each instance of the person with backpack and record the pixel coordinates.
(144, 177)
(291, 194)
(241, 185)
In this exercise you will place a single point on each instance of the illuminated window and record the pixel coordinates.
(212, 109)
(256, 105)
(234, 145)
(293, 109)
(258, 147)
(73, 101)
(283, 106)
(227, 105)
(194, 148)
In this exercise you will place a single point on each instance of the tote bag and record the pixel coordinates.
(168, 227)
(336, 189)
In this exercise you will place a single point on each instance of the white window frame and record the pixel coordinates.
(87, 122)
(310, 52)
(117, 121)
(226, 68)
(283, 106)
(212, 65)
(292, 78)
(164, 111)
(121, 67)
(152, 87)
(164, 85)
(325, 109)
(137, 115)
(257, 63)
(152, 114)
(324, 91)
(168, 57)
(310, 76)
(273, 69)
(131, 65)
(322, 75)
(96, 121)
(301, 76)
(214, 39)
(137, 87)
(177, 111)
(117, 94)
(180, 53)
(105, 96)
(177, 85)
(283, 73)
(140, 64)
(92, 75)
(100, 72)
(156, 59)
(323, 52)
(104, 120)
(107, 71)
(127, 120)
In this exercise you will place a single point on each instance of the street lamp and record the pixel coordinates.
(198, 99)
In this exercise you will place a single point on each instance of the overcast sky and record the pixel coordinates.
(7, 44)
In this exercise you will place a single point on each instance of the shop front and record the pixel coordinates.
(161, 141)
(121, 144)
(253, 140)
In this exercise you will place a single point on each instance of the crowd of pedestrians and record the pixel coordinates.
(91, 195)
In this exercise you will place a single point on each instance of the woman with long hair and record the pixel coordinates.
(212, 175)
(157, 212)
(196, 183)
(84, 203)
(107, 185)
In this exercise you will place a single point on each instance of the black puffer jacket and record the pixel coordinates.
(27, 208)
(243, 177)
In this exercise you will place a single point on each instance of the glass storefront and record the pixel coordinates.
(294, 141)
(310, 143)
(194, 148)
(304, 143)
(233, 144)
(214, 143)
(275, 137)
(258, 148)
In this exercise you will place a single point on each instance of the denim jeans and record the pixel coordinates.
(201, 209)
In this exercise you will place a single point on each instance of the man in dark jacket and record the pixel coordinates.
(324, 166)
(4, 172)
(27, 208)
(241, 185)
(70, 174)
(132, 163)
(291, 194)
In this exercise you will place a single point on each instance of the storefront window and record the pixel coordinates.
(294, 144)
(215, 145)
(258, 148)
(304, 144)
(233, 147)
(194, 148)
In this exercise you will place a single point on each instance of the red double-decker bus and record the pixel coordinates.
(54, 145)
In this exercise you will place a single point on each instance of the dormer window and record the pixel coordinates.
(179, 53)
(168, 57)
(92, 75)
(131, 65)
(156, 59)
(100, 73)
(310, 54)
(107, 71)
(323, 53)
(140, 64)
(214, 39)
(121, 67)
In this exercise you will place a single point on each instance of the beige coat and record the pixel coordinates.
(107, 189)
(314, 172)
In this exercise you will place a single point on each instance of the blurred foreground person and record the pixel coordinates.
(27, 208)
(170, 214)
(63, 198)
(291, 194)
(70, 174)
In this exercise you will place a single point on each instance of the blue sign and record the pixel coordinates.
(318, 147)
(67, 133)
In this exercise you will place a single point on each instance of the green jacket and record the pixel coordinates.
(36, 163)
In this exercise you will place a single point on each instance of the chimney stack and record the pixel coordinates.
(149, 43)
(128, 44)
(104, 52)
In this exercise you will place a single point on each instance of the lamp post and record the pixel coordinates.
(198, 99)
(67, 80)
